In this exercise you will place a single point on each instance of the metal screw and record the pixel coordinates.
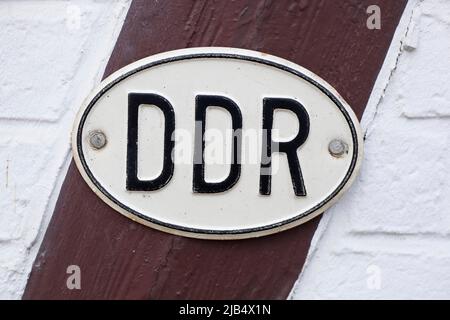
(337, 148)
(97, 139)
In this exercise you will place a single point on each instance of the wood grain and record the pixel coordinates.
(120, 259)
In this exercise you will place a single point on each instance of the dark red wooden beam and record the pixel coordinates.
(120, 259)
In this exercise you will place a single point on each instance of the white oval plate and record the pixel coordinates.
(247, 78)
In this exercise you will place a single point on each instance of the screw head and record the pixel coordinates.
(337, 148)
(97, 139)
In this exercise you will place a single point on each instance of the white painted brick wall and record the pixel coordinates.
(52, 54)
(389, 237)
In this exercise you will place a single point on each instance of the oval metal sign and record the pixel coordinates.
(217, 143)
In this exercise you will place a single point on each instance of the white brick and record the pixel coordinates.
(422, 89)
(42, 45)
